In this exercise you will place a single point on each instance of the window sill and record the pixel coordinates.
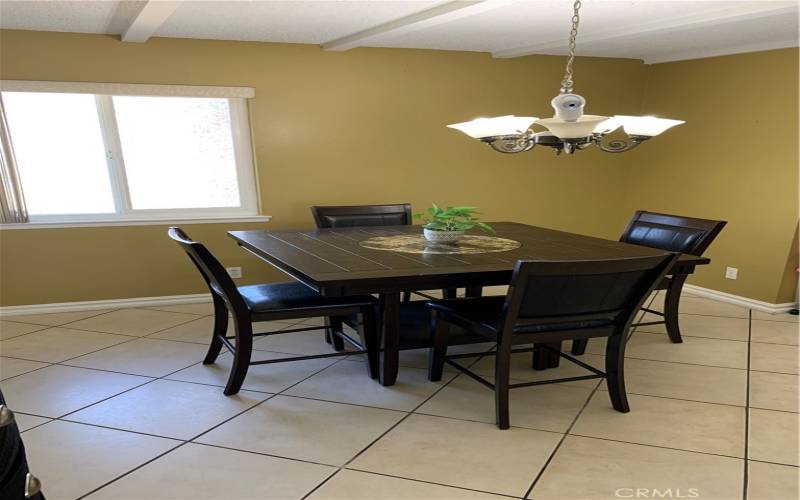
(137, 222)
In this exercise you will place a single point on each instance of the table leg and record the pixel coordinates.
(390, 326)
(473, 291)
(543, 358)
(671, 303)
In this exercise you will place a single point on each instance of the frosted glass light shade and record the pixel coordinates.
(583, 127)
(649, 126)
(480, 128)
(608, 126)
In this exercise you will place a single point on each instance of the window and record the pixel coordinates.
(126, 157)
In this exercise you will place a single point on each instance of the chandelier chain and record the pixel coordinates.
(566, 83)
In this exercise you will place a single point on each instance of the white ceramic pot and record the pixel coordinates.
(442, 237)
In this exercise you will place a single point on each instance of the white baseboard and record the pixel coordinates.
(758, 305)
(171, 300)
(90, 305)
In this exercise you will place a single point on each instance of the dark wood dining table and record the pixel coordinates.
(332, 262)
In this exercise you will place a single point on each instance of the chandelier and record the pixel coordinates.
(569, 130)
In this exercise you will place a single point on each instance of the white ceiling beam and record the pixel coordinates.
(148, 20)
(727, 51)
(681, 23)
(434, 16)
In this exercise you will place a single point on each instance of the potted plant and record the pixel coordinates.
(448, 225)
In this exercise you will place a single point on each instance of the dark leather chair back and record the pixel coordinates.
(673, 233)
(362, 215)
(219, 282)
(571, 295)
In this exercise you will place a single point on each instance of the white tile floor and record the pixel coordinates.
(116, 404)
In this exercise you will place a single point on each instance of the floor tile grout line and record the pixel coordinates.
(696, 364)
(279, 393)
(26, 333)
(681, 362)
(55, 326)
(182, 443)
(285, 326)
(751, 407)
(132, 338)
(407, 366)
(492, 423)
(49, 419)
(720, 338)
(341, 468)
(745, 478)
(344, 403)
(100, 312)
(429, 482)
(561, 441)
(658, 446)
(408, 414)
(380, 407)
(63, 363)
(395, 410)
(25, 373)
(773, 463)
(684, 399)
(387, 431)
(193, 440)
(194, 363)
(695, 336)
(67, 327)
(108, 427)
(732, 317)
(260, 453)
(190, 440)
(137, 336)
(776, 373)
(791, 322)
(92, 492)
(152, 379)
(206, 384)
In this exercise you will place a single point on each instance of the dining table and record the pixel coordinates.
(390, 260)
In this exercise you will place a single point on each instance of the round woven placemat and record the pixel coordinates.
(418, 244)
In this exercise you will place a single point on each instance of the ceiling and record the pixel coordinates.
(652, 30)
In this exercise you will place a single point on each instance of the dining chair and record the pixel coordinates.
(269, 302)
(362, 215)
(369, 215)
(673, 233)
(549, 302)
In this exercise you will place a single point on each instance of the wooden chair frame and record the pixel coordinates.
(226, 298)
(672, 284)
(320, 213)
(510, 329)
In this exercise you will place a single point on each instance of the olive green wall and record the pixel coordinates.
(367, 126)
(736, 159)
(363, 126)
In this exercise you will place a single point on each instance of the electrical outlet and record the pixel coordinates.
(234, 272)
(731, 273)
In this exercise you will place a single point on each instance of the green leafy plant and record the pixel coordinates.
(452, 219)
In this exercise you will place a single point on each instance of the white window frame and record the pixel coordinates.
(124, 211)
